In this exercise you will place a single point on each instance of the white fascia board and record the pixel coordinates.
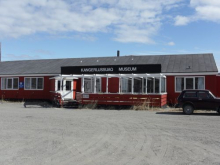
(109, 75)
(191, 74)
(28, 75)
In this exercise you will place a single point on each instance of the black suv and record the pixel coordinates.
(191, 100)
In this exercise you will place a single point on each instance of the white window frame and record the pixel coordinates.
(93, 84)
(6, 85)
(194, 77)
(36, 83)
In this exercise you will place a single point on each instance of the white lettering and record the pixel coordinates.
(127, 69)
(96, 69)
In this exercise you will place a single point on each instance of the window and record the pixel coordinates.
(150, 85)
(179, 83)
(137, 85)
(205, 95)
(68, 85)
(126, 85)
(157, 84)
(153, 85)
(27, 83)
(199, 83)
(15, 83)
(189, 83)
(34, 83)
(163, 84)
(59, 85)
(40, 83)
(190, 95)
(9, 83)
(89, 85)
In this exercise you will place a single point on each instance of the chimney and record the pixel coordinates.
(118, 53)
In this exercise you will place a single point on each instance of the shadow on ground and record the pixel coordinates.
(194, 114)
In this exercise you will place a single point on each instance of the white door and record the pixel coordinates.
(65, 89)
(68, 89)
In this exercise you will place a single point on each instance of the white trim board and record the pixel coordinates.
(28, 75)
(166, 74)
(191, 74)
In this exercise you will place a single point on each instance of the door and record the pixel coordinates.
(65, 88)
(205, 100)
(68, 89)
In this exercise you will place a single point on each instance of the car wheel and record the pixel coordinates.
(218, 110)
(188, 109)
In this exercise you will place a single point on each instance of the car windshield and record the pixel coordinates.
(212, 94)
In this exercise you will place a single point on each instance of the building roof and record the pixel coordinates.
(185, 63)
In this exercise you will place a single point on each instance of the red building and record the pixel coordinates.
(124, 80)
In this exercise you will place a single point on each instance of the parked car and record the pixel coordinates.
(191, 100)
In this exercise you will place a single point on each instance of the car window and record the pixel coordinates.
(203, 95)
(189, 95)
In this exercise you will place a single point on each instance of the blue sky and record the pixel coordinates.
(45, 29)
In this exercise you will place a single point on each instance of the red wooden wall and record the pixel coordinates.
(113, 85)
(21, 93)
(211, 83)
(218, 86)
(123, 99)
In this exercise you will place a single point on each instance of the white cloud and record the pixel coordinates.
(208, 10)
(129, 21)
(171, 43)
(181, 20)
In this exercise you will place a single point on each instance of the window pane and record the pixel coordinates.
(203, 95)
(189, 94)
(189, 83)
(33, 83)
(88, 85)
(4, 83)
(179, 84)
(58, 85)
(40, 83)
(163, 85)
(137, 85)
(126, 85)
(27, 83)
(150, 84)
(199, 83)
(68, 85)
(9, 84)
(15, 83)
(98, 84)
(157, 84)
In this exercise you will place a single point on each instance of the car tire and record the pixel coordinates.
(218, 111)
(188, 109)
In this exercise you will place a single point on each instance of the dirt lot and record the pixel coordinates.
(51, 136)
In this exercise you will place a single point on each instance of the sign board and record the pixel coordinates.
(21, 84)
(112, 69)
(86, 96)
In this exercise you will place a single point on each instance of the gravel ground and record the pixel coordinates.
(52, 136)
